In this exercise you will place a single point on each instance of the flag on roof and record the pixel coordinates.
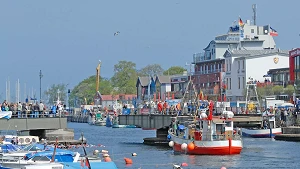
(241, 23)
(273, 32)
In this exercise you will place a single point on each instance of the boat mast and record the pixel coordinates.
(251, 92)
(85, 154)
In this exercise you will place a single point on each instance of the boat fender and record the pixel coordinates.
(191, 146)
(171, 143)
(134, 154)
(183, 146)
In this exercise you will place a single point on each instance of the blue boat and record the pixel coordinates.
(69, 165)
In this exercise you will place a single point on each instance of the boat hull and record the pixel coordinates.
(100, 123)
(220, 147)
(260, 133)
(123, 126)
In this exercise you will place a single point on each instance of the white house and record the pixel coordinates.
(240, 65)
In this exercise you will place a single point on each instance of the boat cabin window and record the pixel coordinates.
(219, 128)
(228, 124)
(40, 158)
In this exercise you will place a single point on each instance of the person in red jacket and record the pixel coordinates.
(159, 107)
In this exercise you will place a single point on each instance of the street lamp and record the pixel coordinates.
(41, 75)
(294, 94)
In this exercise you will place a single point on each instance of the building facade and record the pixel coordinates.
(294, 65)
(210, 64)
(280, 76)
(243, 65)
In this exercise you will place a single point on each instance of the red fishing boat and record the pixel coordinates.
(206, 135)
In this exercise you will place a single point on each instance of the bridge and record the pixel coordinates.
(33, 126)
(157, 121)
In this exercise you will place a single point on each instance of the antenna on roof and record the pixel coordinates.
(254, 13)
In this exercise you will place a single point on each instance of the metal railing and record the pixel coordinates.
(38, 114)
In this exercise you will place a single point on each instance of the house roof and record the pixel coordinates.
(259, 52)
(118, 96)
(253, 53)
(163, 79)
(144, 81)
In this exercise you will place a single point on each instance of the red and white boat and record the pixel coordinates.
(214, 136)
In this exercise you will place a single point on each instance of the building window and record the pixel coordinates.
(230, 83)
(243, 64)
(239, 64)
(243, 82)
(229, 66)
(239, 82)
(252, 30)
(227, 82)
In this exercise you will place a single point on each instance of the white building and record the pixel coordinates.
(240, 65)
(210, 64)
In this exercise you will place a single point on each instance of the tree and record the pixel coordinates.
(174, 70)
(152, 70)
(277, 89)
(125, 77)
(289, 90)
(86, 90)
(52, 93)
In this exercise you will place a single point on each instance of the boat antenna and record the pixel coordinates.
(54, 151)
(85, 154)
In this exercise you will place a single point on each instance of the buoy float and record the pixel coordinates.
(128, 160)
(107, 159)
(191, 146)
(171, 143)
(104, 151)
(223, 168)
(183, 146)
(184, 164)
(134, 154)
(105, 155)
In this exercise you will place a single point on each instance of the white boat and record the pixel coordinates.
(268, 128)
(215, 135)
(100, 122)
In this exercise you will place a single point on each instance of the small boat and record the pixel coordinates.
(68, 165)
(124, 126)
(215, 135)
(268, 128)
(100, 122)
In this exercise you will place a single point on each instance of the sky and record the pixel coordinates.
(65, 39)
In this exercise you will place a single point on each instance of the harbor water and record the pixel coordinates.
(122, 142)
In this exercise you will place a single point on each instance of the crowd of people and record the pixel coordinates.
(32, 109)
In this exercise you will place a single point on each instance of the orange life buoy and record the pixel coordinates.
(128, 160)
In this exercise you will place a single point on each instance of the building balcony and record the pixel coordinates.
(208, 71)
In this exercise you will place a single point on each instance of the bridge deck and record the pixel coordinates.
(156, 121)
(33, 123)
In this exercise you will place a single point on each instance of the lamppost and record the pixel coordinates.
(294, 94)
(41, 75)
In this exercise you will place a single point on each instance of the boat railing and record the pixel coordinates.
(218, 137)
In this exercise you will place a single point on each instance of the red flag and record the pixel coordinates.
(173, 96)
(154, 96)
(87, 163)
(224, 99)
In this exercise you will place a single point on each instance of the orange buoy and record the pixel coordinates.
(107, 159)
(191, 146)
(184, 164)
(128, 160)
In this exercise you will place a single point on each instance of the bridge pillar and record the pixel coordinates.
(160, 139)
